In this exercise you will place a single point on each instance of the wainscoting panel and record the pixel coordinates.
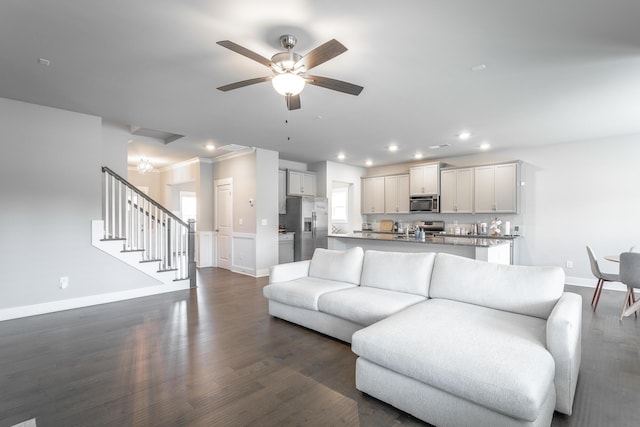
(205, 249)
(244, 253)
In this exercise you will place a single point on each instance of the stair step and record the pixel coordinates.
(167, 270)
(113, 239)
(151, 260)
(132, 250)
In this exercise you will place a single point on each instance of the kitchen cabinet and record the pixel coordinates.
(373, 195)
(424, 180)
(301, 183)
(285, 247)
(496, 188)
(456, 190)
(396, 194)
(282, 192)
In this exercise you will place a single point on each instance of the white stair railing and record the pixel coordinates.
(147, 227)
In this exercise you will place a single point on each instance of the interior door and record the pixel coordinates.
(224, 224)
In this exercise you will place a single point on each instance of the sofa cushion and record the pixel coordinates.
(396, 271)
(533, 291)
(364, 305)
(303, 292)
(494, 358)
(342, 266)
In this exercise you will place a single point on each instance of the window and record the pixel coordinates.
(188, 206)
(340, 204)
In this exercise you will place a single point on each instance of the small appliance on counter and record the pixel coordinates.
(366, 226)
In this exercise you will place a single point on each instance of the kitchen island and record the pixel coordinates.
(484, 248)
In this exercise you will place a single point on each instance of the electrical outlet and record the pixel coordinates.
(240, 221)
(264, 221)
(569, 264)
(64, 282)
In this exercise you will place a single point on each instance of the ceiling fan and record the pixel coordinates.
(289, 69)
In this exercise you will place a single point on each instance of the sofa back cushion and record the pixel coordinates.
(396, 271)
(341, 266)
(532, 291)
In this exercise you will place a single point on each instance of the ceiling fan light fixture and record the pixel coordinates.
(288, 84)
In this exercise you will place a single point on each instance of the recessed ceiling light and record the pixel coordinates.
(417, 156)
(484, 146)
(435, 147)
(210, 147)
(341, 156)
(464, 135)
(43, 61)
(393, 148)
(479, 67)
(368, 163)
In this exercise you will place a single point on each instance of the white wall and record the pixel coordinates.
(266, 211)
(50, 191)
(578, 194)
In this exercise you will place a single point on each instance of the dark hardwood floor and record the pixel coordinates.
(214, 357)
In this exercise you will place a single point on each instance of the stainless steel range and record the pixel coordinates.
(431, 227)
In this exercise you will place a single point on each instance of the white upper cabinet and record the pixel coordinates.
(373, 195)
(424, 180)
(301, 183)
(456, 191)
(496, 188)
(396, 194)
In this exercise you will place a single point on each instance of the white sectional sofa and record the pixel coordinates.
(450, 340)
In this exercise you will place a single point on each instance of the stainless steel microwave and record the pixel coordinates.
(424, 204)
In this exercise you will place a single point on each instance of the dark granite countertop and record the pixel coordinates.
(439, 239)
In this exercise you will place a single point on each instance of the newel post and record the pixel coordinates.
(192, 253)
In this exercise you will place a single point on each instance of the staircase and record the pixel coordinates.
(142, 233)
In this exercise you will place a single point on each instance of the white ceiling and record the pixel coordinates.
(556, 71)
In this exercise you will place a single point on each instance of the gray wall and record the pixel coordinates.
(266, 210)
(50, 191)
(243, 171)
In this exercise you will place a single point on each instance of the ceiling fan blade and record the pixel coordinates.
(321, 54)
(245, 52)
(293, 102)
(244, 83)
(333, 84)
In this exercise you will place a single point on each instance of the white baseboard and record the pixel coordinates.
(591, 283)
(68, 304)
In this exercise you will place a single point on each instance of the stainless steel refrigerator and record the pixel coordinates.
(308, 218)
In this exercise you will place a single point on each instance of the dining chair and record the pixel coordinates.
(630, 276)
(602, 277)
